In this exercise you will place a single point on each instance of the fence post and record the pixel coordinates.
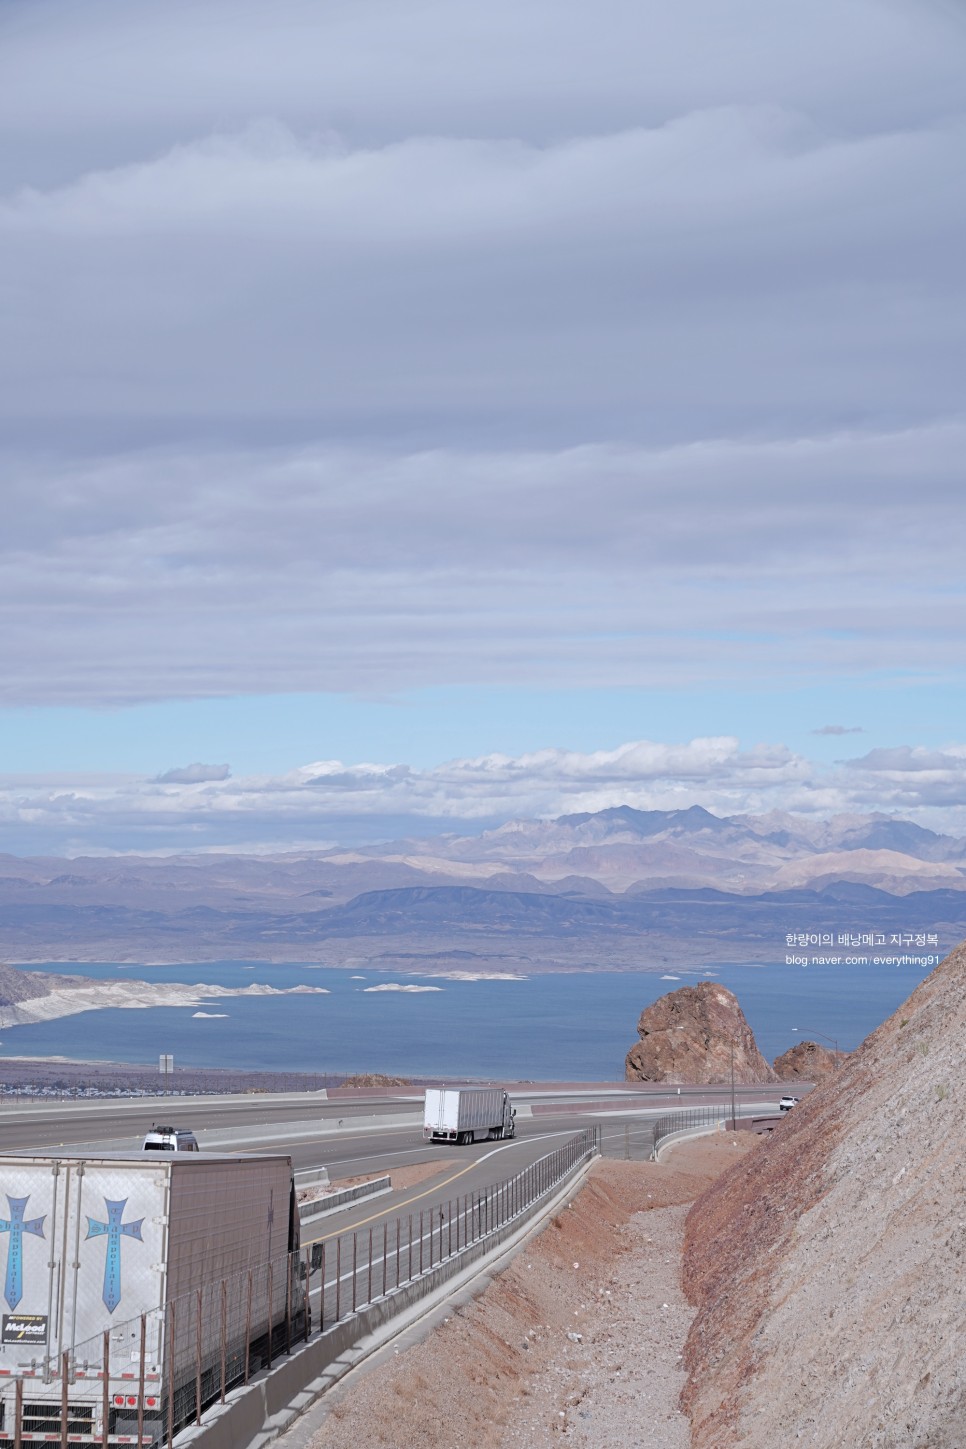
(322, 1295)
(398, 1227)
(420, 1240)
(105, 1391)
(385, 1252)
(143, 1345)
(271, 1312)
(64, 1382)
(224, 1336)
(307, 1297)
(18, 1413)
(171, 1332)
(409, 1275)
(355, 1255)
(338, 1278)
(248, 1327)
(369, 1279)
(288, 1303)
(198, 1359)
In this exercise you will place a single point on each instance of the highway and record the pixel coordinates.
(369, 1133)
(452, 1195)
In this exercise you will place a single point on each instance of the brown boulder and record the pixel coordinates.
(806, 1061)
(690, 1035)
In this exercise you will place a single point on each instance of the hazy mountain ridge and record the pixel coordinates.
(620, 887)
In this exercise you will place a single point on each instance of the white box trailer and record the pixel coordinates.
(467, 1114)
(99, 1251)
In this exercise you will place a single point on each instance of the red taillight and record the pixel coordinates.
(119, 1399)
(150, 1403)
(132, 1401)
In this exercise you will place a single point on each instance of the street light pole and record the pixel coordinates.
(733, 1113)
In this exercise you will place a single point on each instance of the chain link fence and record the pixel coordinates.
(141, 1381)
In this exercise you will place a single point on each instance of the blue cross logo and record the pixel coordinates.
(16, 1227)
(114, 1230)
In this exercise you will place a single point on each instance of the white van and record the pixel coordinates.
(170, 1139)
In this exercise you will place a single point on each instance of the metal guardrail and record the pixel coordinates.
(685, 1120)
(143, 1380)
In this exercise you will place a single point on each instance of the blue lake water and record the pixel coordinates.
(575, 1027)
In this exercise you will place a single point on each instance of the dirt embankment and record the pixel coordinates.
(829, 1275)
(581, 1337)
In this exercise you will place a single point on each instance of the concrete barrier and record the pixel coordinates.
(333, 1202)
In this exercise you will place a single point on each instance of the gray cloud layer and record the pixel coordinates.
(358, 346)
(177, 574)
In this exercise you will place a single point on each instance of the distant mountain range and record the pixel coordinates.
(618, 889)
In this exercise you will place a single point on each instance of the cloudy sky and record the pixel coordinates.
(416, 415)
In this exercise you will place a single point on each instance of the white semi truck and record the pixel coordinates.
(101, 1253)
(467, 1114)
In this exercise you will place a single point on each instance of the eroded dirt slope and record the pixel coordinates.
(579, 1340)
(829, 1273)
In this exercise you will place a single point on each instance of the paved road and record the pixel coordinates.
(377, 1240)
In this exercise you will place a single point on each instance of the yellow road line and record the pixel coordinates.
(396, 1207)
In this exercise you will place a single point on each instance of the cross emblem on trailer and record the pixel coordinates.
(16, 1227)
(114, 1229)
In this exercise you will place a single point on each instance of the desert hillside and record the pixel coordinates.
(828, 1270)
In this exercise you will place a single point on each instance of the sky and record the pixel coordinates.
(414, 417)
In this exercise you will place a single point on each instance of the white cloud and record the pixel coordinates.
(325, 802)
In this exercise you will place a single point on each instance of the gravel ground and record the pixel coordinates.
(578, 1340)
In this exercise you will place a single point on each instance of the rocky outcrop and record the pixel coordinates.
(827, 1267)
(806, 1061)
(693, 1035)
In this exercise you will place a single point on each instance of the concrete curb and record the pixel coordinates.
(253, 1417)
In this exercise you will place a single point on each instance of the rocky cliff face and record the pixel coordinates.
(689, 1036)
(30, 986)
(827, 1267)
(806, 1061)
